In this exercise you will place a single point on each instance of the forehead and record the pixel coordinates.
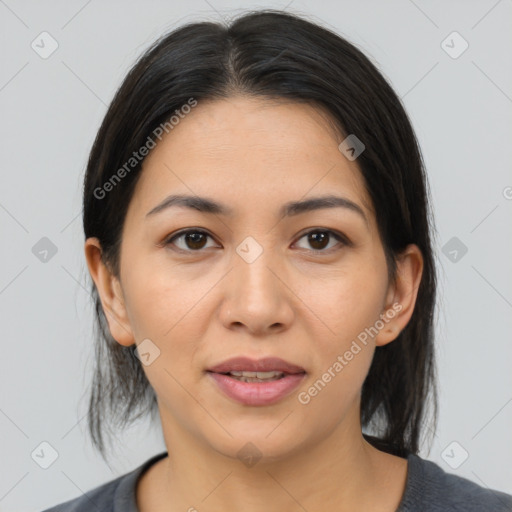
(250, 153)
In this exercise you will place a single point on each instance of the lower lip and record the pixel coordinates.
(257, 393)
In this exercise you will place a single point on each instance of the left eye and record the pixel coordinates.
(319, 239)
(194, 240)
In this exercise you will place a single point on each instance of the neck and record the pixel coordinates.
(341, 472)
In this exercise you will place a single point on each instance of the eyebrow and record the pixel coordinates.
(290, 209)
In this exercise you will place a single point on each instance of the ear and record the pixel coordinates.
(401, 296)
(110, 292)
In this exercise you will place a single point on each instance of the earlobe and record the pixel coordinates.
(402, 295)
(110, 293)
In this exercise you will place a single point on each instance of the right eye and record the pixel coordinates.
(192, 240)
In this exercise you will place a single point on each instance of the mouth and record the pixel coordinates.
(251, 367)
(256, 382)
(255, 376)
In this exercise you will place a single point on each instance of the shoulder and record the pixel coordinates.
(100, 499)
(431, 489)
(113, 496)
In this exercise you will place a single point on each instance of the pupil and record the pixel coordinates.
(314, 239)
(193, 240)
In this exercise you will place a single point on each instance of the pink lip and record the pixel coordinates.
(266, 364)
(257, 393)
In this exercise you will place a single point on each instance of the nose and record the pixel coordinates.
(257, 298)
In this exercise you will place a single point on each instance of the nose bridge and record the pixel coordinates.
(254, 275)
(256, 297)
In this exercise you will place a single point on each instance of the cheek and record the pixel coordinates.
(167, 311)
(162, 301)
(348, 306)
(173, 309)
(346, 303)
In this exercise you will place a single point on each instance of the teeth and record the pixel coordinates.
(259, 375)
(255, 379)
(256, 376)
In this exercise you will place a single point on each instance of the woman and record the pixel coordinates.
(258, 232)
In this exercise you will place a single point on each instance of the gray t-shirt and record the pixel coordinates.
(428, 489)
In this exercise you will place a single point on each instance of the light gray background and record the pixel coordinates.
(50, 111)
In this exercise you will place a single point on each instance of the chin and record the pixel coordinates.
(258, 442)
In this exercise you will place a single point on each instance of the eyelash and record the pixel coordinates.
(338, 236)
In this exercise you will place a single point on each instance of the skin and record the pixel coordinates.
(294, 301)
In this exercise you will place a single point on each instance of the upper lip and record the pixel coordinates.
(266, 364)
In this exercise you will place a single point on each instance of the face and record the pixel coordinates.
(250, 281)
